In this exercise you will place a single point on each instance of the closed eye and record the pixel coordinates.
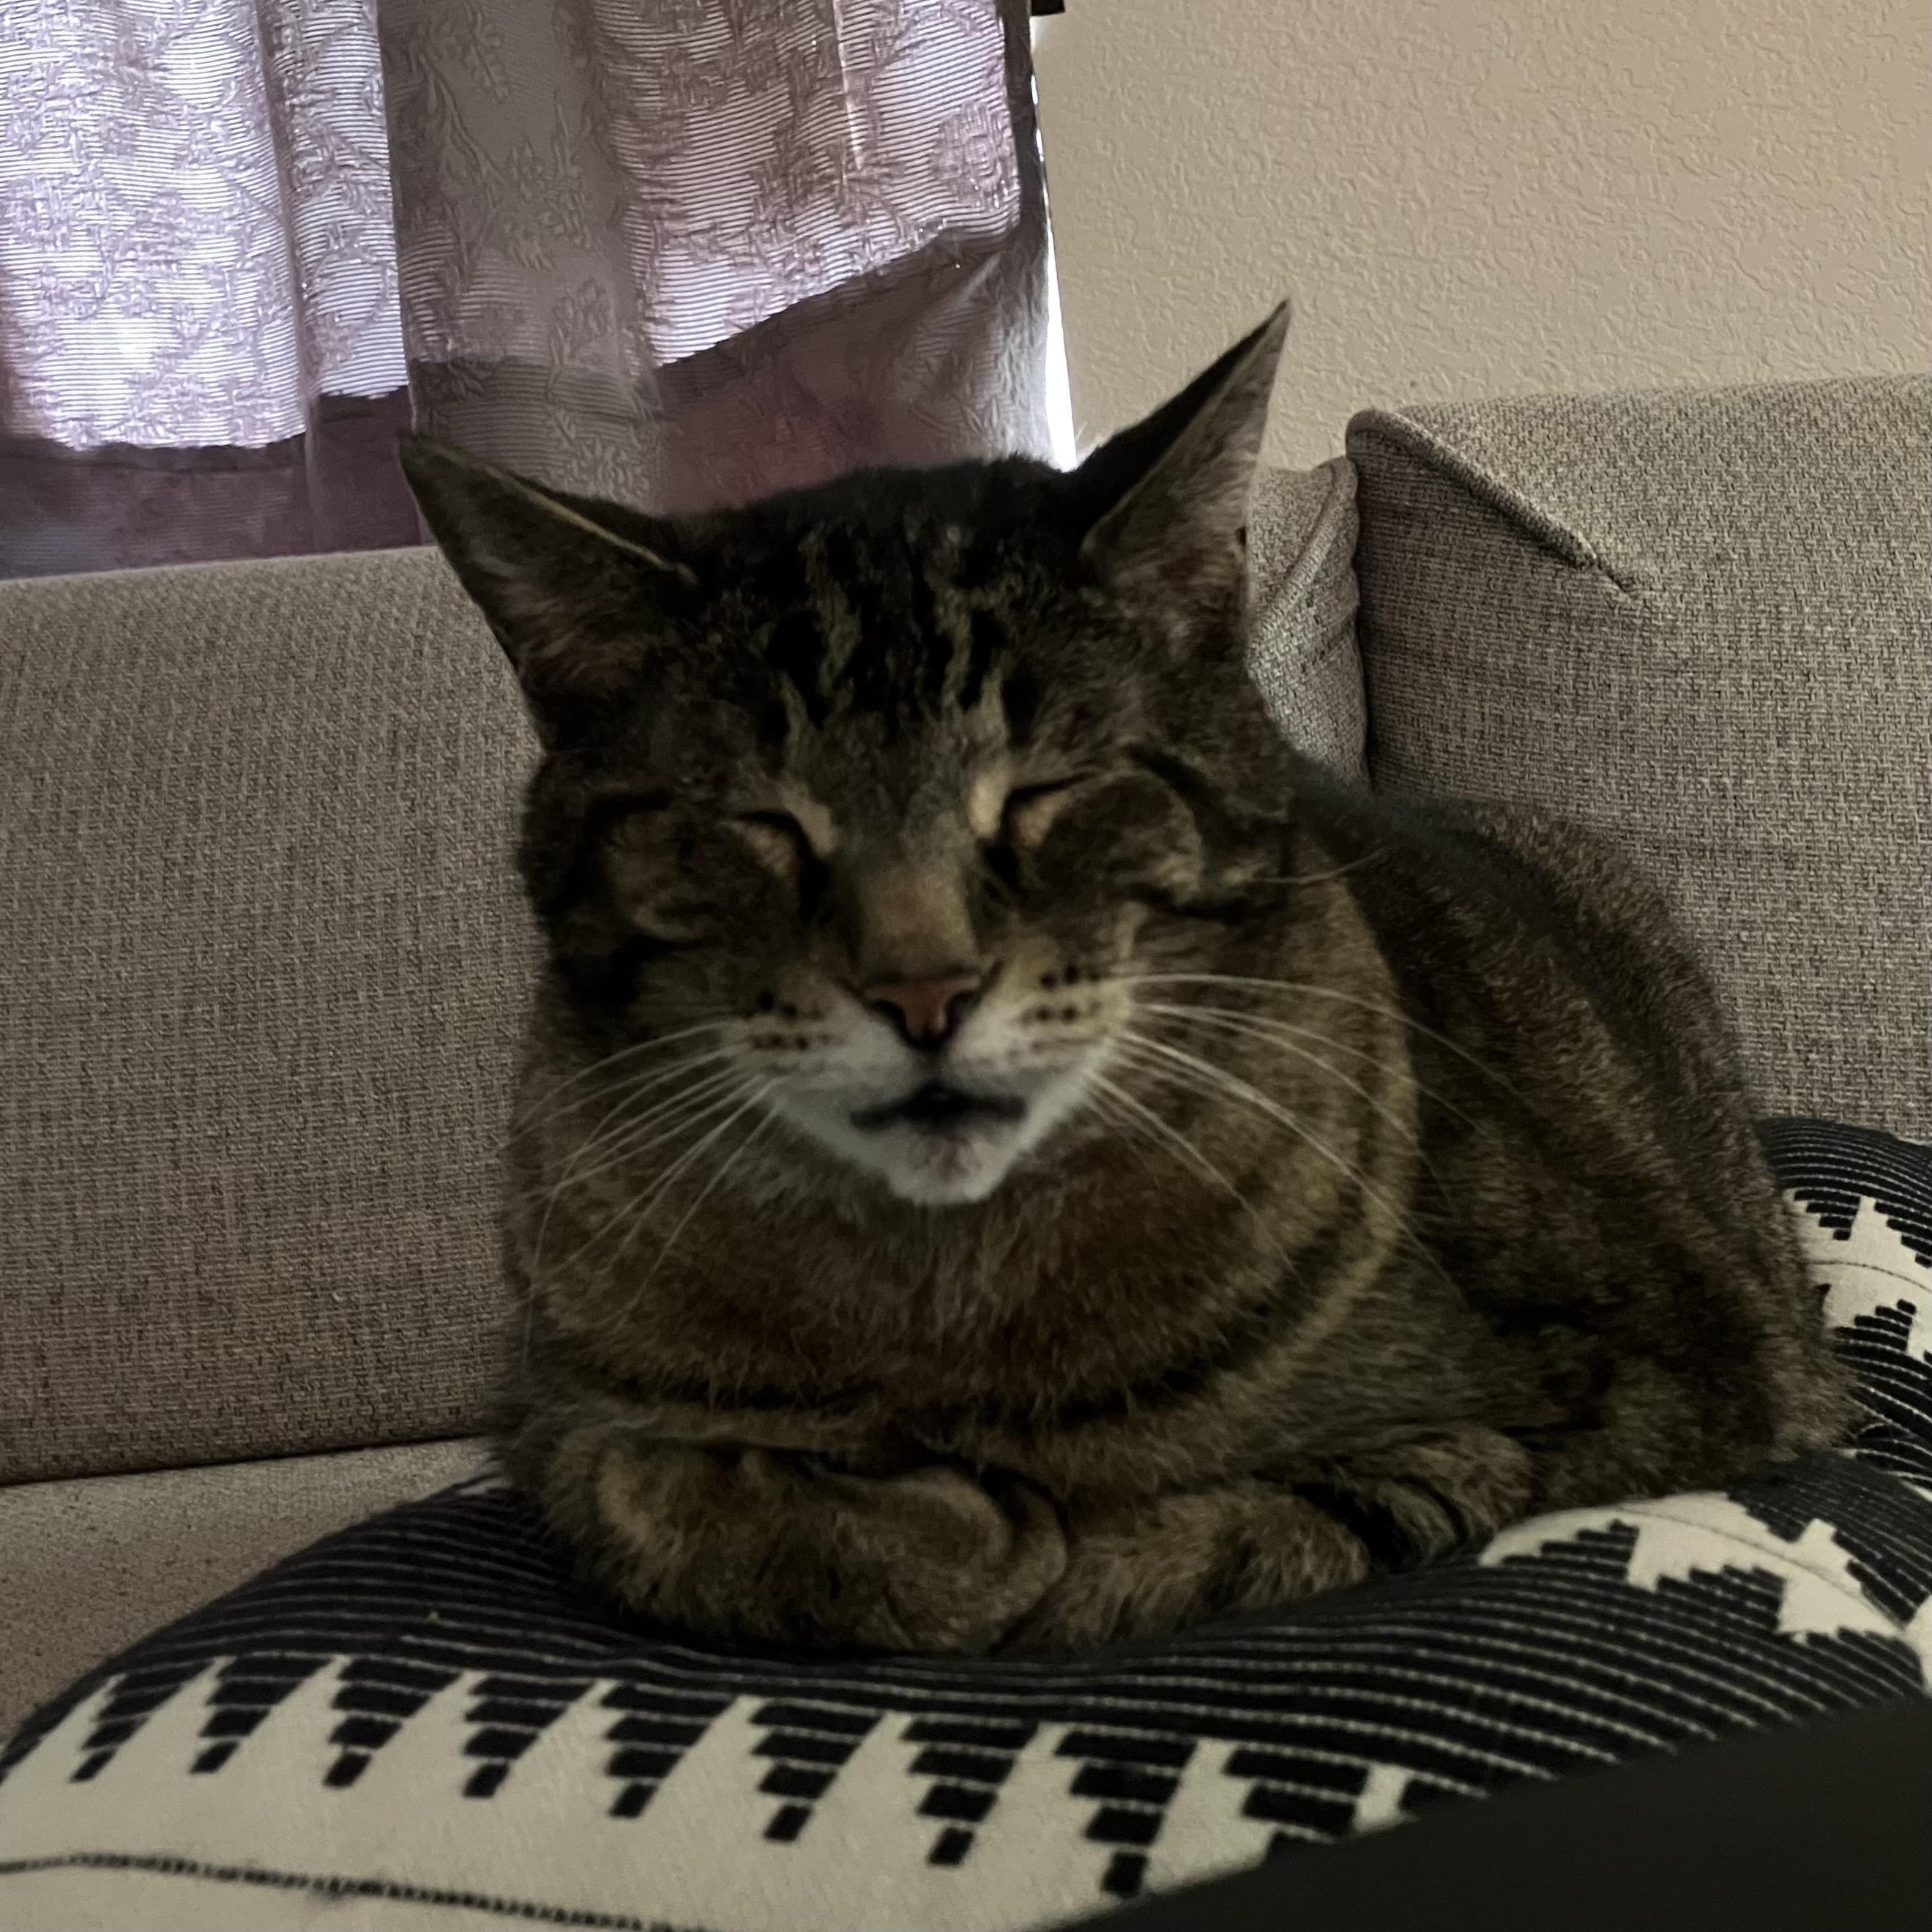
(780, 822)
(1029, 810)
(1022, 795)
(777, 838)
(784, 846)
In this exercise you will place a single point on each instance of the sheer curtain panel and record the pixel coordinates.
(679, 252)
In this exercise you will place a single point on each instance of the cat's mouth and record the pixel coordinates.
(936, 1106)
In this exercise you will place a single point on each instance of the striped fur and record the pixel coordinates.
(1314, 1182)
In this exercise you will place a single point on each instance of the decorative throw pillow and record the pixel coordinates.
(420, 1711)
(1701, 622)
(1301, 579)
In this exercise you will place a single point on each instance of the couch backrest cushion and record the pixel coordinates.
(1301, 546)
(1701, 622)
(265, 967)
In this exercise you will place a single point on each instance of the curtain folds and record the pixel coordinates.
(679, 253)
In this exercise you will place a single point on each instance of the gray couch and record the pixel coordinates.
(264, 963)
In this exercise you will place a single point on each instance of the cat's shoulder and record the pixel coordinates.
(1471, 851)
(1353, 819)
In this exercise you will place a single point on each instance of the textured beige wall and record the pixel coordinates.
(1485, 197)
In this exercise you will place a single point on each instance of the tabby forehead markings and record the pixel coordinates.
(883, 631)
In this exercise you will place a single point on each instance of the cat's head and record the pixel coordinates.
(867, 801)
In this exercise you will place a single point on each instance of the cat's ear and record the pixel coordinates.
(1169, 496)
(574, 588)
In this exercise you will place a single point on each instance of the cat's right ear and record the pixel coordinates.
(574, 588)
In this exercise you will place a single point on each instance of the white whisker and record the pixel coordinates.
(686, 1110)
(1275, 1027)
(1251, 1029)
(744, 1147)
(1145, 1117)
(639, 1213)
(1206, 1078)
(1307, 989)
(618, 1138)
(1268, 1032)
(561, 1099)
(1321, 878)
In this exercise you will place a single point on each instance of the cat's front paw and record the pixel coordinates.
(934, 1560)
(791, 1549)
(1155, 1566)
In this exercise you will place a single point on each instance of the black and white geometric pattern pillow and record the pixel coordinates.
(418, 1719)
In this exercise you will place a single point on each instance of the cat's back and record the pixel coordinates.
(1588, 1127)
(1540, 950)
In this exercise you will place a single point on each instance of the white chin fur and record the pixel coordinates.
(943, 1168)
(940, 1167)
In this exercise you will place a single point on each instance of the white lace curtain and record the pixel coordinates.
(677, 251)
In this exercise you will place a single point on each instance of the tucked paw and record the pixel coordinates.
(1158, 1566)
(935, 1560)
(786, 1549)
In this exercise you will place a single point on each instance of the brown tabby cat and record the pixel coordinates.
(1010, 1155)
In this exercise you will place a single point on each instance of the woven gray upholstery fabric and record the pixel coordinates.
(1701, 622)
(1301, 623)
(266, 967)
(93, 1563)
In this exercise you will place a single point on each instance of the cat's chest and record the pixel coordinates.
(1069, 1387)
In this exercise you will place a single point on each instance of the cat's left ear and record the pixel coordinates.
(1171, 493)
(575, 590)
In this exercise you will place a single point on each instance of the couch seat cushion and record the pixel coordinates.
(90, 1563)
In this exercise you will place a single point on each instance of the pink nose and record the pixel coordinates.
(926, 1011)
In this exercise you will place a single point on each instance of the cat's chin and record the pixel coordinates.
(946, 1167)
(931, 1151)
(950, 1142)
(933, 1163)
